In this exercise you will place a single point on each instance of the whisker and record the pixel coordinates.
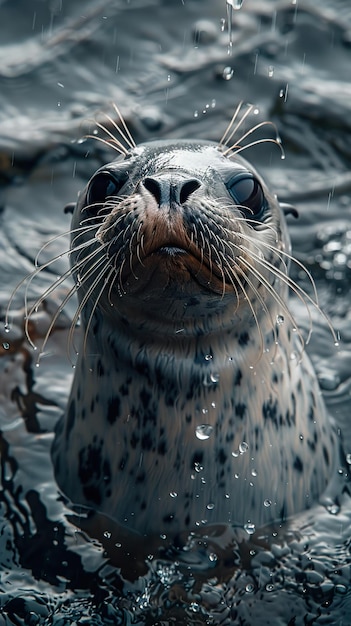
(58, 311)
(240, 123)
(85, 298)
(131, 142)
(237, 279)
(52, 240)
(107, 143)
(275, 295)
(287, 281)
(52, 288)
(107, 278)
(114, 139)
(235, 149)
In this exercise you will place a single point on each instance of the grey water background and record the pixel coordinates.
(166, 65)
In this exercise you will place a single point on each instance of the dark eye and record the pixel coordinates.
(247, 192)
(102, 186)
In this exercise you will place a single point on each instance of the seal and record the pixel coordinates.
(193, 400)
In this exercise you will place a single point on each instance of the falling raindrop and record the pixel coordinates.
(250, 528)
(228, 73)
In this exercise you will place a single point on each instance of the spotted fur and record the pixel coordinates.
(179, 318)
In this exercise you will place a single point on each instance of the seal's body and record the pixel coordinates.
(192, 398)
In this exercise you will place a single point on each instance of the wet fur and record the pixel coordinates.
(173, 342)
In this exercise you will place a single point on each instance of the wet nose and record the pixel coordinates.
(168, 190)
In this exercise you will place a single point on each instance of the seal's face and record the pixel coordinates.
(173, 226)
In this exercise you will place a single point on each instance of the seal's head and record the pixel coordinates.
(182, 232)
(192, 399)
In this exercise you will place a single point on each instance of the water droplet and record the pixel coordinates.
(196, 113)
(5, 345)
(333, 509)
(235, 4)
(198, 467)
(348, 459)
(107, 534)
(249, 588)
(203, 431)
(213, 557)
(267, 503)
(243, 447)
(236, 475)
(210, 506)
(213, 405)
(163, 536)
(253, 472)
(118, 545)
(7, 328)
(173, 494)
(269, 587)
(250, 528)
(301, 437)
(222, 24)
(270, 71)
(228, 73)
(280, 320)
(214, 377)
(227, 496)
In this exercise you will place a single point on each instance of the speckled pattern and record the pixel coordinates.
(192, 398)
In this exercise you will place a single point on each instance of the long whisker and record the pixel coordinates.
(287, 281)
(105, 282)
(275, 295)
(114, 139)
(235, 149)
(87, 295)
(107, 143)
(131, 142)
(59, 310)
(53, 239)
(224, 139)
(237, 279)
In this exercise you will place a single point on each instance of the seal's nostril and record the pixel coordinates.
(187, 189)
(168, 189)
(154, 187)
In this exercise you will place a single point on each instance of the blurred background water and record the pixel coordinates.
(168, 66)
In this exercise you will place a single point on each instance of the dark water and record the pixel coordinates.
(166, 65)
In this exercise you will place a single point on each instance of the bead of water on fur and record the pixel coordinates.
(203, 431)
(243, 447)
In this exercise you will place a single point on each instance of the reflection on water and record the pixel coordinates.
(167, 66)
